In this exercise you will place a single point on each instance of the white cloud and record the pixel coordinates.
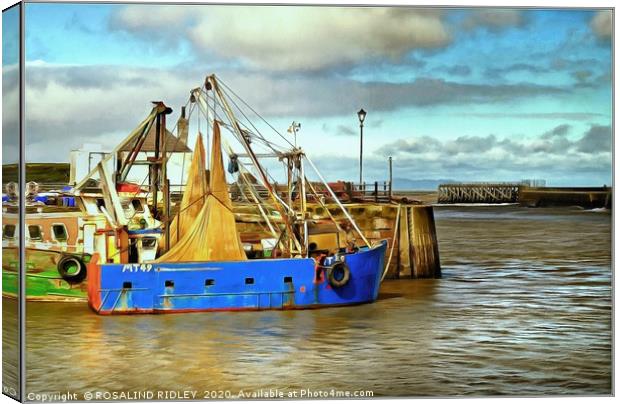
(474, 157)
(292, 38)
(10, 113)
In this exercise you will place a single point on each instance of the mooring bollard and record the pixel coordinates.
(424, 250)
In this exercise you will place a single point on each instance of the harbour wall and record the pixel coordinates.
(409, 230)
(589, 198)
(586, 197)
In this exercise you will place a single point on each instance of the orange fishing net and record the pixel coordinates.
(213, 233)
(193, 197)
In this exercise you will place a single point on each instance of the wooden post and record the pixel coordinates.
(376, 191)
(403, 243)
(348, 186)
(423, 238)
(398, 250)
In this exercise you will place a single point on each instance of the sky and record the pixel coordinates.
(470, 94)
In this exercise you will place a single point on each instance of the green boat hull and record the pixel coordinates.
(43, 282)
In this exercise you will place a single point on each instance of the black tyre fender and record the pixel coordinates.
(338, 274)
(65, 262)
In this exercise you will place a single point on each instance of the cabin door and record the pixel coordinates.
(89, 238)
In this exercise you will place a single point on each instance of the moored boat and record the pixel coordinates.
(61, 232)
(202, 263)
(262, 284)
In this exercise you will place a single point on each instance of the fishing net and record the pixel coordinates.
(212, 235)
(193, 197)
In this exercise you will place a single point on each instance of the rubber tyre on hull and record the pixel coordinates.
(338, 275)
(66, 263)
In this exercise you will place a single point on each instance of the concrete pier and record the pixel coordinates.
(588, 198)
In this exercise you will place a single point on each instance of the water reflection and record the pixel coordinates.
(524, 308)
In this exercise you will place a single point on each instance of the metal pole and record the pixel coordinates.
(390, 189)
(361, 148)
(155, 167)
(166, 182)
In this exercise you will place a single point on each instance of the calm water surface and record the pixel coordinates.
(524, 308)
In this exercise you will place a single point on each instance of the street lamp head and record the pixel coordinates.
(361, 114)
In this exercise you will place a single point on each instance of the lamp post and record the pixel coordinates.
(361, 114)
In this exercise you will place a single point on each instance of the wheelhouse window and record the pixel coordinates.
(8, 231)
(149, 242)
(128, 209)
(59, 232)
(137, 205)
(35, 232)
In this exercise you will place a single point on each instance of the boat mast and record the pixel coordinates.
(158, 170)
(303, 200)
(212, 81)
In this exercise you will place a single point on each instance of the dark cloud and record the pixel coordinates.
(373, 123)
(499, 72)
(422, 144)
(494, 19)
(457, 70)
(345, 130)
(602, 24)
(595, 140)
(582, 76)
(349, 129)
(561, 130)
(470, 144)
(587, 79)
(564, 63)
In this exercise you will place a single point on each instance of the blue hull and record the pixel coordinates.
(269, 284)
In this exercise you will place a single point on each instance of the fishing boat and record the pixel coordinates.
(202, 264)
(61, 228)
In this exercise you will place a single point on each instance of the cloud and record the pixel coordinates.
(291, 38)
(595, 140)
(470, 144)
(423, 144)
(10, 114)
(572, 116)
(345, 130)
(456, 70)
(582, 76)
(493, 19)
(152, 20)
(103, 103)
(551, 154)
(76, 23)
(92, 104)
(601, 24)
(553, 142)
(558, 131)
(499, 72)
